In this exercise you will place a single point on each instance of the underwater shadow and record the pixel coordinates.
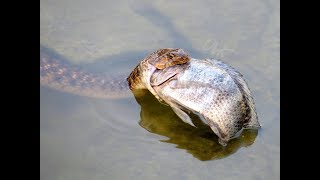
(201, 142)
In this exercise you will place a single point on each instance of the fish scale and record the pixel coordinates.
(216, 91)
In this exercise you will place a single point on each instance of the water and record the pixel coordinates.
(129, 138)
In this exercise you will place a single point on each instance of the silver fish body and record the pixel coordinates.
(212, 89)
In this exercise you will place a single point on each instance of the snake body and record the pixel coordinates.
(57, 73)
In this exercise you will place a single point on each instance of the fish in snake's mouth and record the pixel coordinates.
(209, 87)
(162, 67)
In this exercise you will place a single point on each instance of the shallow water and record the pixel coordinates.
(129, 138)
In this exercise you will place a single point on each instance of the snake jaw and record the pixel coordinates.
(140, 77)
(169, 57)
(147, 77)
(161, 60)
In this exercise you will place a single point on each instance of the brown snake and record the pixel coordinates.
(58, 74)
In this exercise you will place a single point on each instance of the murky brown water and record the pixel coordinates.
(128, 138)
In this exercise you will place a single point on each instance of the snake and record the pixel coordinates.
(58, 74)
(211, 88)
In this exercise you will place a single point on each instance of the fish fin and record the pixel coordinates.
(223, 140)
(252, 124)
(161, 101)
(162, 75)
(182, 115)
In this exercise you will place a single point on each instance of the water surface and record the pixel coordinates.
(139, 138)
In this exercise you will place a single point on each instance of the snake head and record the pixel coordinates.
(167, 57)
(157, 68)
(162, 63)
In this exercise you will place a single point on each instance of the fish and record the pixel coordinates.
(212, 89)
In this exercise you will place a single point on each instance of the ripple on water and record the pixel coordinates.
(120, 119)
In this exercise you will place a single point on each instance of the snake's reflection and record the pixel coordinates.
(201, 142)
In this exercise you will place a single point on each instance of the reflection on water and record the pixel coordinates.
(201, 142)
